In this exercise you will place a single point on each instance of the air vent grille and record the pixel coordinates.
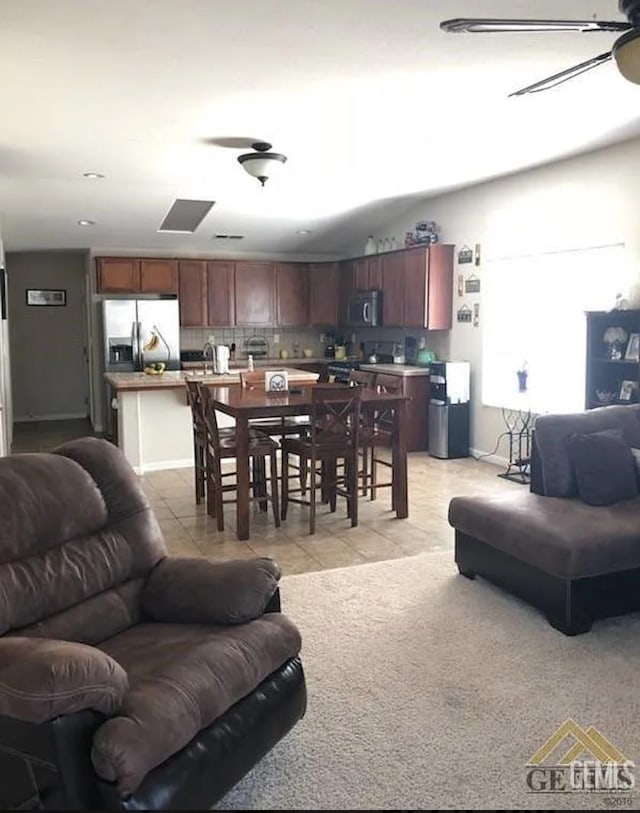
(229, 237)
(185, 215)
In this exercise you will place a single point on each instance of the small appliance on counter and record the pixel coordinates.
(410, 350)
(449, 409)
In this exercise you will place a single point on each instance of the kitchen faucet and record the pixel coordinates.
(208, 348)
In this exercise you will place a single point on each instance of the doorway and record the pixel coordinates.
(48, 335)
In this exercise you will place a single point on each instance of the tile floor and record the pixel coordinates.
(379, 536)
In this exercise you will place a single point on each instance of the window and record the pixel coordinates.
(534, 315)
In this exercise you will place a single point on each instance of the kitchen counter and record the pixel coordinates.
(155, 429)
(396, 369)
(133, 382)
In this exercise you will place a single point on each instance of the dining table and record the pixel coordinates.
(246, 404)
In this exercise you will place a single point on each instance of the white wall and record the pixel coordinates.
(585, 201)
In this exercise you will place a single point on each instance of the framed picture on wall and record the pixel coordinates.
(46, 296)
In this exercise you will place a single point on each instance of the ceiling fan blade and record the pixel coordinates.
(480, 25)
(563, 76)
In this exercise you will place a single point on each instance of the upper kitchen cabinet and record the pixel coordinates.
(324, 285)
(118, 275)
(393, 289)
(192, 278)
(255, 294)
(428, 287)
(347, 286)
(367, 273)
(128, 275)
(158, 276)
(220, 293)
(292, 294)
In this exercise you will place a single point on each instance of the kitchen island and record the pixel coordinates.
(154, 418)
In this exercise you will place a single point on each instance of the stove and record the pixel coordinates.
(340, 369)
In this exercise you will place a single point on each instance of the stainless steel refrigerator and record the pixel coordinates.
(137, 332)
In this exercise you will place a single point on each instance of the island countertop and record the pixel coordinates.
(170, 379)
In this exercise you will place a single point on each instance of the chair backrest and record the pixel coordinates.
(362, 378)
(335, 415)
(194, 397)
(210, 419)
(389, 383)
(77, 541)
(252, 379)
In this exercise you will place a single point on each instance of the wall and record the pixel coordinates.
(48, 366)
(585, 201)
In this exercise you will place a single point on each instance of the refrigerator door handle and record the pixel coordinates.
(135, 345)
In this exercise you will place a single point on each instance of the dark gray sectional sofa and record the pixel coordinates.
(574, 561)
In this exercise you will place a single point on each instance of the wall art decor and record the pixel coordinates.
(472, 285)
(46, 296)
(476, 314)
(465, 255)
(464, 314)
(460, 284)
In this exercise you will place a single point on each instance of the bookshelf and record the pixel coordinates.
(606, 373)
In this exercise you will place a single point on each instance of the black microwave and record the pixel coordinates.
(365, 309)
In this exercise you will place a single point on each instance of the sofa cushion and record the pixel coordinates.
(552, 434)
(181, 678)
(604, 467)
(564, 537)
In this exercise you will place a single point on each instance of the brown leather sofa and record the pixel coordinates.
(574, 561)
(129, 679)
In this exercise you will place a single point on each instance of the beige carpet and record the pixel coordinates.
(427, 690)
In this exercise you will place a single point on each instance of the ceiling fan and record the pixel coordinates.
(625, 51)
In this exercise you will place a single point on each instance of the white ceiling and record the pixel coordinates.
(373, 105)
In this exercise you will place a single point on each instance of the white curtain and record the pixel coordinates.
(534, 319)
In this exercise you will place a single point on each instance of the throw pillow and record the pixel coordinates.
(604, 466)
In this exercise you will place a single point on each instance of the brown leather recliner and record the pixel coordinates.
(129, 679)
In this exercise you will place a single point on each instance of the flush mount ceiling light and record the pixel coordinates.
(262, 163)
(86, 222)
(93, 175)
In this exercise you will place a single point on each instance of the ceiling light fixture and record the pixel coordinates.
(626, 52)
(261, 163)
(86, 222)
(92, 175)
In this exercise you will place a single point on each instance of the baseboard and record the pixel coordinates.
(58, 416)
(163, 465)
(494, 459)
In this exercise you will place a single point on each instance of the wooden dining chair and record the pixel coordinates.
(222, 446)
(334, 435)
(378, 433)
(199, 439)
(367, 381)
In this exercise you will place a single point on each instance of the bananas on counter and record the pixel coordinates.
(155, 369)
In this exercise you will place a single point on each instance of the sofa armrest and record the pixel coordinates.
(42, 678)
(191, 590)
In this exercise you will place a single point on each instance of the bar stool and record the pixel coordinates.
(378, 434)
(224, 447)
(334, 434)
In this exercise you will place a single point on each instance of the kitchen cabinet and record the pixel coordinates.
(158, 276)
(346, 287)
(292, 294)
(132, 275)
(221, 292)
(192, 293)
(323, 294)
(118, 275)
(428, 287)
(393, 290)
(368, 273)
(255, 285)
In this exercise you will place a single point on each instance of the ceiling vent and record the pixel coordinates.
(229, 237)
(185, 216)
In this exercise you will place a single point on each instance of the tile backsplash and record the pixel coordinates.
(194, 338)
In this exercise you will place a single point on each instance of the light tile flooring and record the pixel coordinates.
(379, 536)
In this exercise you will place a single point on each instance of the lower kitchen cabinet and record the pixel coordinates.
(418, 390)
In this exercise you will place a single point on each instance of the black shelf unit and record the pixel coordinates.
(603, 373)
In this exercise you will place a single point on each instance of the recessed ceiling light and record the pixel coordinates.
(303, 231)
(93, 175)
(86, 222)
